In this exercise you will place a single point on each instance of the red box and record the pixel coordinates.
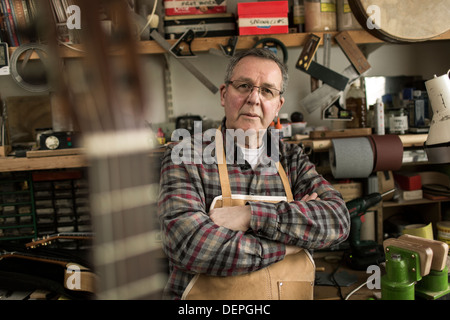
(408, 181)
(182, 7)
(268, 17)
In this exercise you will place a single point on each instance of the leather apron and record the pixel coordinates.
(289, 279)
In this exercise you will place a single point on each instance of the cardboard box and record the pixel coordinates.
(181, 7)
(268, 17)
(408, 181)
(208, 25)
(349, 191)
(412, 194)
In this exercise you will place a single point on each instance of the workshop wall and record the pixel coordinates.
(191, 96)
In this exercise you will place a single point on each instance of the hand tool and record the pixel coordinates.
(227, 50)
(230, 48)
(189, 66)
(336, 112)
(415, 268)
(307, 64)
(327, 95)
(178, 49)
(363, 252)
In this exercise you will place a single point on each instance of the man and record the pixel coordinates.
(237, 240)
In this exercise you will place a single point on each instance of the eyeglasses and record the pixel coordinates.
(245, 88)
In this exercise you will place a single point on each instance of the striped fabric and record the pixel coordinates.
(194, 244)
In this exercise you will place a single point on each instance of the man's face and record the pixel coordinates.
(253, 110)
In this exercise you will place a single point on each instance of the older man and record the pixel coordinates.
(202, 239)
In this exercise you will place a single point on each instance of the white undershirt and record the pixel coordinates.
(252, 156)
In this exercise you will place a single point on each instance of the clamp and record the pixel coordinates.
(415, 267)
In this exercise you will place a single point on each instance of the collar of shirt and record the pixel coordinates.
(270, 153)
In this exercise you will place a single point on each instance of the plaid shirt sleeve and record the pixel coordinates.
(313, 224)
(192, 242)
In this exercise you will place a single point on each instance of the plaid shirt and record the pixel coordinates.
(194, 244)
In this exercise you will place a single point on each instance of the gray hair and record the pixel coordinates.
(261, 53)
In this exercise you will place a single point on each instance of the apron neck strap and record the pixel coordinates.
(223, 173)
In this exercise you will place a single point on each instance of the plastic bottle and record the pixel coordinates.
(398, 122)
(279, 128)
(299, 15)
(356, 103)
(379, 117)
(161, 136)
(285, 125)
(345, 18)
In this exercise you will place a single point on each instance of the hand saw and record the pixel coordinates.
(189, 66)
(326, 95)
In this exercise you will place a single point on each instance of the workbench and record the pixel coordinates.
(330, 262)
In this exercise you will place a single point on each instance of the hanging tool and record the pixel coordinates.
(415, 268)
(178, 49)
(327, 95)
(363, 253)
(307, 64)
(227, 50)
(189, 66)
(230, 48)
(273, 44)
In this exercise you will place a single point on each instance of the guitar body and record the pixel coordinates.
(403, 21)
(58, 272)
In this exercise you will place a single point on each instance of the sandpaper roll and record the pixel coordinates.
(387, 152)
(419, 230)
(351, 158)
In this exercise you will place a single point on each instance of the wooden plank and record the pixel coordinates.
(54, 153)
(27, 164)
(413, 140)
(345, 133)
(352, 52)
(245, 42)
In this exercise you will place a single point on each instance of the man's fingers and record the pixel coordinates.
(308, 197)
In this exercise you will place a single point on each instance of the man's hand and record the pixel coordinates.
(313, 196)
(294, 249)
(235, 218)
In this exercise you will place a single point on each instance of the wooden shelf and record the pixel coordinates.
(389, 204)
(244, 42)
(54, 159)
(44, 163)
